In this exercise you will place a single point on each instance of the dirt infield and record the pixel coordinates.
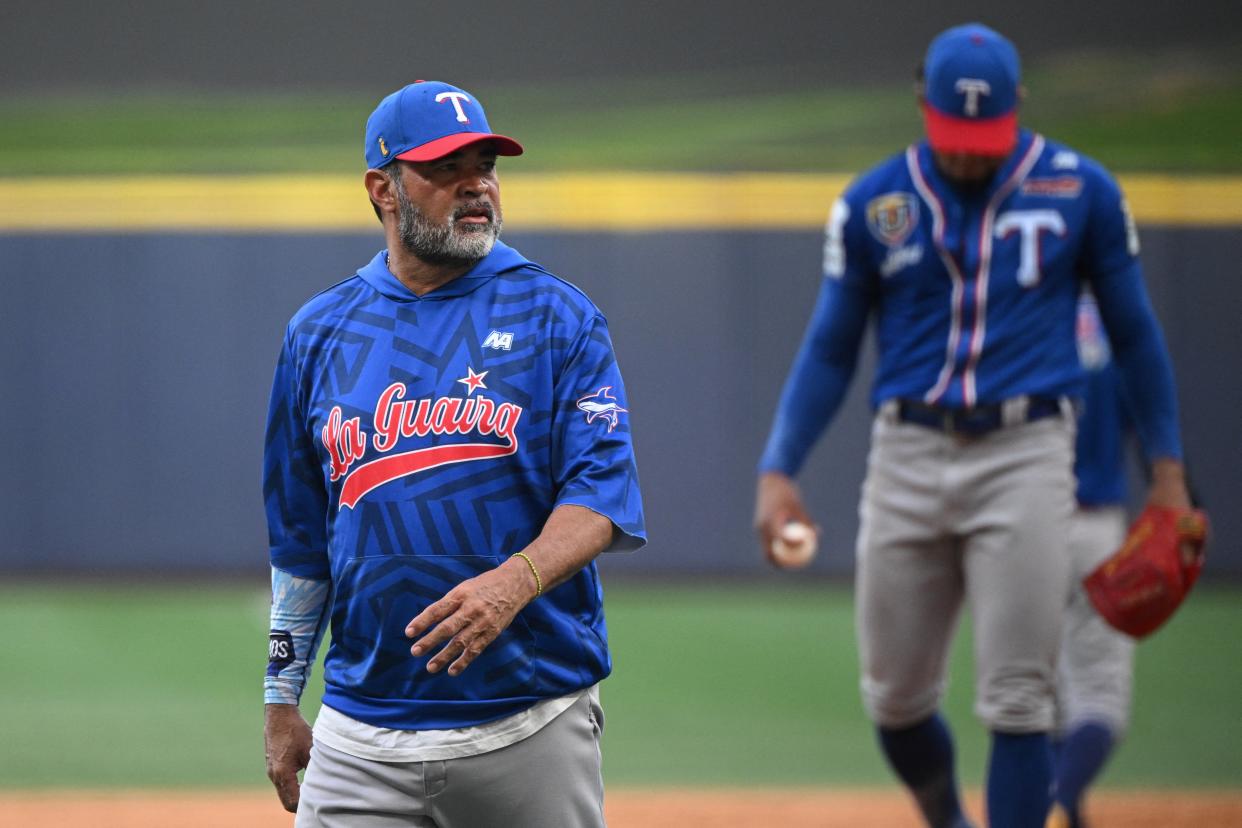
(626, 808)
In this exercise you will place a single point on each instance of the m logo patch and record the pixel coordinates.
(892, 217)
(499, 341)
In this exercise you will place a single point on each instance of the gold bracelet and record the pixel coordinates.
(533, 571)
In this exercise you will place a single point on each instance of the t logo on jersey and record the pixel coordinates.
(972, 88)
(602, 404)
(456, 98)
(499, 340)
(1029, 223)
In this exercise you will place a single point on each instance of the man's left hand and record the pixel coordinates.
(470, 616)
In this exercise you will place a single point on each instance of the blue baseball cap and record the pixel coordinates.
(428, 120)
(971, 76)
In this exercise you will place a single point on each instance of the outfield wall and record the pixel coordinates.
(137, 365)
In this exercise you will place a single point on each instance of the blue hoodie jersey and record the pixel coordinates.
(974, 294)
(415, 442)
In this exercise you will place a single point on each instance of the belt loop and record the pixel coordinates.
(889, 410)
(1014, 411)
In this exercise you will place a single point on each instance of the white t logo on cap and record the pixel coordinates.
(456, 98)
(972, 88)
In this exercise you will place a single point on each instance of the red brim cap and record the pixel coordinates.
(450, 144)
(981, 136)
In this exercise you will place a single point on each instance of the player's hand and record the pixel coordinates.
(287, 746)
(777, 502)
(470, 616)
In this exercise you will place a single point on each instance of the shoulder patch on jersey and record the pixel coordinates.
(892, 217)
(602, 405)
(834, 239)
(1065, 186)
(1065, 160)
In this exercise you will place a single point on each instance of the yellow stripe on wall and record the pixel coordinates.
(572, 202)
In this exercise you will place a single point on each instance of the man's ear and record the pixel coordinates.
(381, 191)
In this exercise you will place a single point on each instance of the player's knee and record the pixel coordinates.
(1017, 702)
(888, 707)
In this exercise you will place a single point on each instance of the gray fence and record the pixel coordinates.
(136, 368)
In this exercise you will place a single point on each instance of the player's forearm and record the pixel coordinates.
(571, 538)
(298, 619)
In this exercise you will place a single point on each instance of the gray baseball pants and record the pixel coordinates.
(1096, 669)
(551, 778)
(946, 519)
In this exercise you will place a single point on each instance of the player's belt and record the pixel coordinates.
(978, 420)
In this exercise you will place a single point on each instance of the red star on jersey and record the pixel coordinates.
(473, 382)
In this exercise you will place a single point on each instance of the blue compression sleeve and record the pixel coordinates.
(299, 617)
(1142, 358)
(820, 375)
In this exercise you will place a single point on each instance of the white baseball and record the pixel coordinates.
(795, 546)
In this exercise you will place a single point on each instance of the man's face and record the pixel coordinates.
(449, 209)
(967, 170)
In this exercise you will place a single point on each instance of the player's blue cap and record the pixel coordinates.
(971, 76)
(428, 120)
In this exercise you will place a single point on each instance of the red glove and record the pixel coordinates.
(1146, 580)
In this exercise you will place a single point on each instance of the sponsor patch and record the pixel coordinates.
(901, 257)
(499, 341)
(1066, 186)
(279, 651)
(892, 217)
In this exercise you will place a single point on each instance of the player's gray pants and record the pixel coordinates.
(1095, 673)
(551, 778)
(946, 518)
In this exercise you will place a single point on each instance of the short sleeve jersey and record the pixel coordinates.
(415, 442)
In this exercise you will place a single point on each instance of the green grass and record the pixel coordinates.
(1174, 111)
(112, 686)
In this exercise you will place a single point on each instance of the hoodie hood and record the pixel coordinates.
(501, 259)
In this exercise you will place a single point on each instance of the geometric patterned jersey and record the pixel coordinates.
(415, 442)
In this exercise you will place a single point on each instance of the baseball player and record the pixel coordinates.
(448, 449)
(1095, 670)
(969, 249)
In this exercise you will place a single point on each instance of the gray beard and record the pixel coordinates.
(447, 244)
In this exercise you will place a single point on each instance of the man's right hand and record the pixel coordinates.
(776, 503)
(287, 745)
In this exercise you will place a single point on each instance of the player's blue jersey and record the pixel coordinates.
(979, 291)
(1099, 460)
(974, 292)
(415, 442)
